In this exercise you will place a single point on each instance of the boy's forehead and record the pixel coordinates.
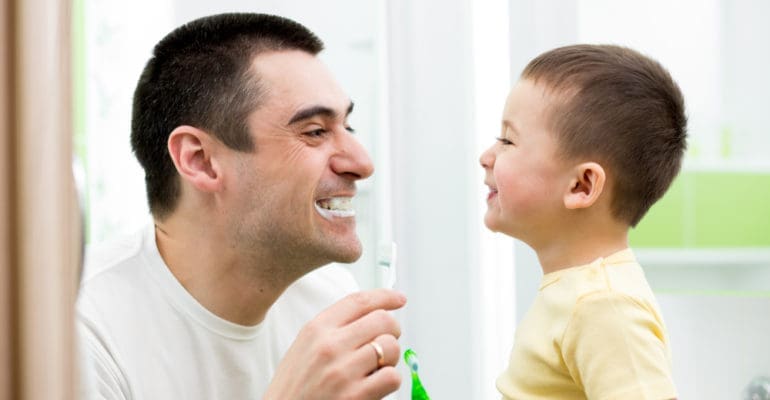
(528, 96)
(525, 95)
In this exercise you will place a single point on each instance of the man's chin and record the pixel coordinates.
(348, 258)
(347, 254)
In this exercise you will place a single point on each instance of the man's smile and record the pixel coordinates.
(335, 207)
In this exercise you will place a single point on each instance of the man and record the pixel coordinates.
(250, 166)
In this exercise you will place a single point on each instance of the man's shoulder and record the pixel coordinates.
(107, 256)
(113, 275)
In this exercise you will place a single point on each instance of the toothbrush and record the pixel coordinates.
(418, 391)
(388, 254)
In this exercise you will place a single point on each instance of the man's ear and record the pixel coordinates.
(192, 151)
(586, 186)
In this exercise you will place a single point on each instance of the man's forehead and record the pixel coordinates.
(291, 69)
(295, 80)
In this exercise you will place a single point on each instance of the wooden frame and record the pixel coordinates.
(7, 388)
(39, 241)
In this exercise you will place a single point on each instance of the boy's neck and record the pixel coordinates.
(580, 247)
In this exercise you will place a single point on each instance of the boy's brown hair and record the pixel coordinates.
(621, 109)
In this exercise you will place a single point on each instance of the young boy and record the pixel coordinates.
(592, 136)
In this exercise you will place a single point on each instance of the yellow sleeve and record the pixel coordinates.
(615, 347)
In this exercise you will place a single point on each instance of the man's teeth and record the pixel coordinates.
(336, 203)
(339, 207)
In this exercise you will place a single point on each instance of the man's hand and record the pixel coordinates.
(332, 357)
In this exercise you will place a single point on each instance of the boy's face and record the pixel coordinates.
(526, 179)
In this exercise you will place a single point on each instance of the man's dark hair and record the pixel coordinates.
(200, 75)
(621, 108)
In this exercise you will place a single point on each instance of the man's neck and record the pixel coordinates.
(236, 287)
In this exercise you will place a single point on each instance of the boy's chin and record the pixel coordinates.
(497, 229)
(489, 225)
(495, 226)
(492, 223)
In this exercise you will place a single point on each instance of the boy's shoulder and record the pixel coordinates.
(618, 275)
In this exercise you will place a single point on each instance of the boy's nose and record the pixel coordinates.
(487, 159)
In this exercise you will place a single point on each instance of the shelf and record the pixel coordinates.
(721, 257)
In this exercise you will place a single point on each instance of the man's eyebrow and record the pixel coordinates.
(312, 111)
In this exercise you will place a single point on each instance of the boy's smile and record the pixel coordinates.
(492, 192)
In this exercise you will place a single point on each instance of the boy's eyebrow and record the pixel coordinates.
(312, 111)
(511, 126)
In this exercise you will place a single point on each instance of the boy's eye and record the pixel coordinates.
(504, 141)
(350, 129)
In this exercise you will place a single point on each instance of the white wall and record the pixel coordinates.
(744, 68)
(431, 105)
(720, 343)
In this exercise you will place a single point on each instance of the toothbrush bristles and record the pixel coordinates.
(411, 360)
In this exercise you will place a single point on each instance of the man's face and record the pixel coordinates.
(526, 179)
(293, 191)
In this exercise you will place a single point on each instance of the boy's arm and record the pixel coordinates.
(615, 347)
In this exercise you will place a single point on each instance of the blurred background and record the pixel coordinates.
(429, 79)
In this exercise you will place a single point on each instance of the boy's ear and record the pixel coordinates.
(586, 186)
(192, 151)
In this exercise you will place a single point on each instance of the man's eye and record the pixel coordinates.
(504, 141)
(350, 129)
(315, 133)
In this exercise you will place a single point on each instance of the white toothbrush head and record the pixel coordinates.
(411, 360)
(388, 254)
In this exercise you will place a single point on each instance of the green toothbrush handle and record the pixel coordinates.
(418, 391)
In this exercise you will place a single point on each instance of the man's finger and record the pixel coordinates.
(381, 383)
(368, 327)
(358, 304)
(367, 358)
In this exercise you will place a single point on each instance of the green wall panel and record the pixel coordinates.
(664, 224)
(709, 210)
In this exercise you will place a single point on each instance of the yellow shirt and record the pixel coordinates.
(593, 332)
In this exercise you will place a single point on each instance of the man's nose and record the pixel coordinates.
(351, 158)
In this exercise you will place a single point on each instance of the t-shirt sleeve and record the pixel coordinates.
(615, 347)
(101, 377)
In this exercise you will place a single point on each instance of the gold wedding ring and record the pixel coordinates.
(380, 354)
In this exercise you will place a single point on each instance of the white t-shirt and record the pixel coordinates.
(143, 336)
